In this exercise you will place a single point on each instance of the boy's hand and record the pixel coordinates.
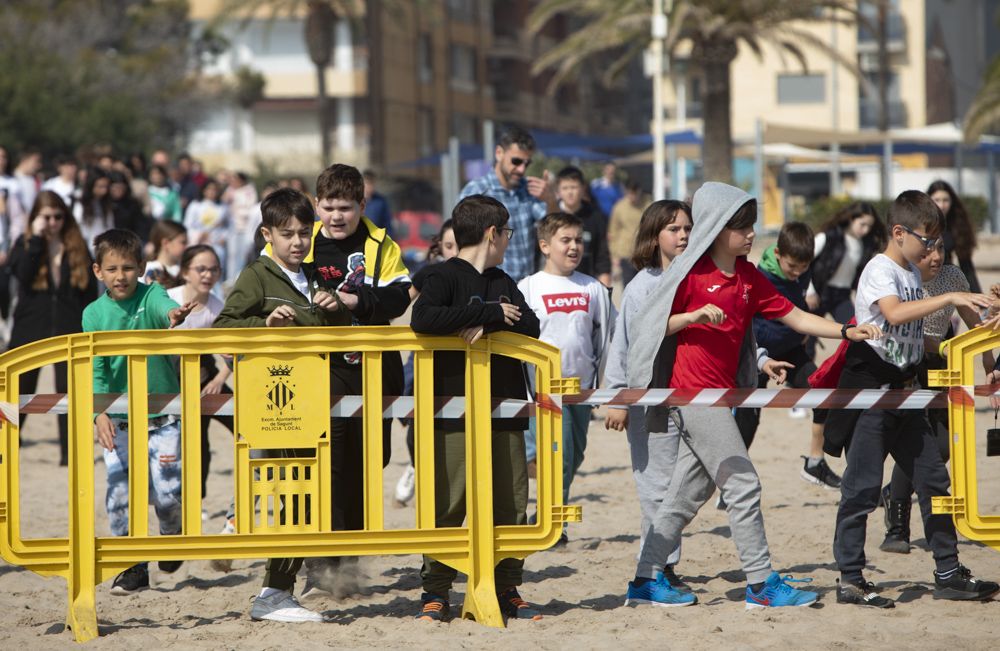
(616, 419)
(995, 290)
(283, 315)
(325, 301)
(104, 431)
(511, 313)
(349, 300)
(178, 314)
(777, 371)
(471, 334)
(213, 388)
(970, 300)
(864, 331)
(708, 314)
(993, 377)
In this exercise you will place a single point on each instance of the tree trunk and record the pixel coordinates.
(323, 109)
(319, 25)
(715, 58)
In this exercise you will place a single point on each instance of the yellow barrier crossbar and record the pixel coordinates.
(282, 401)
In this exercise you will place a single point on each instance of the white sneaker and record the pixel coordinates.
(798, 413)
(282, 607)
(405, 486)
(224, 564)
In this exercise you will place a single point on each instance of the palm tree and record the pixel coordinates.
(984, 113)
(714, 29)
(318, 32)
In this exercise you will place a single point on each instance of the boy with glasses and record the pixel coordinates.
(470, 296)
(890, 295)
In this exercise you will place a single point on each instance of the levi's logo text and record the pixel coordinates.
(566, 302)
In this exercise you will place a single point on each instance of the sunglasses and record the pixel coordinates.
(518, 162)
(928, 242)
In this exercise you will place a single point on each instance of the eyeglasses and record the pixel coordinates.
(53, 218)
(928, 242)
(206, 270)
(509, 232)
(518, 162)
(474, 300)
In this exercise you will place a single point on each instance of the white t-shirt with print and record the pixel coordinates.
(569, 310)
(902, 345)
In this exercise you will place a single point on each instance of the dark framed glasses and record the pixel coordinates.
(928, 242)
(508, 231)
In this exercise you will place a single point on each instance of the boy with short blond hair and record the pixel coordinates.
(576, 315)
(128, 304)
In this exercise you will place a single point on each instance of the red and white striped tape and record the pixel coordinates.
(452, 407)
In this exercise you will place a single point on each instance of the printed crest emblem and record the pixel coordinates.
(280, 394)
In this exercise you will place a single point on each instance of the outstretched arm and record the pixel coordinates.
(809, 324)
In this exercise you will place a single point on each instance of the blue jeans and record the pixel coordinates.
(164, 477)
(575, 422)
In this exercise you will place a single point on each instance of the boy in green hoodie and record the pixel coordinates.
(278, 290)
(786, 265)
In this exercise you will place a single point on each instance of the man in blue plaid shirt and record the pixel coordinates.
(527, 198)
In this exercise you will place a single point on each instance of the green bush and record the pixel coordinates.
(817, 212)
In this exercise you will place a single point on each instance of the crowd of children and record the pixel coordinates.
(695, 314)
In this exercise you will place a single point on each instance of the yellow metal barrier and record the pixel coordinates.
(276, 370)
(963, 504)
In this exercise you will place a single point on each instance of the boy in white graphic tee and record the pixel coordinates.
(577, 316)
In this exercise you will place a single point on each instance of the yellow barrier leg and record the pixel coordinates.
(82, 575)
(481, 597)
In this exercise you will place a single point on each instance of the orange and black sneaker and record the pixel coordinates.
(433, 608)
(513, 607)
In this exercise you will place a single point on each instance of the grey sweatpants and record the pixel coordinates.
(653, 459)
(710, 453)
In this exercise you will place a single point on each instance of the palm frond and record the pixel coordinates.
(984, 112)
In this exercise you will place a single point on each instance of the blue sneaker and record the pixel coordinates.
(777, 593)
(658, 592)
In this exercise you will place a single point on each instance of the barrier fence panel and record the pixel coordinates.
(283, 503)
(963, 504)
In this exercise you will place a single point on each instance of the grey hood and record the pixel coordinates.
(713, 206)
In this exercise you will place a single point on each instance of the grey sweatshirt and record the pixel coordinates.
(713, 206)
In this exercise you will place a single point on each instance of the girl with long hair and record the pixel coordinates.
(168, 241)
(200, 269)
(959, 232)
(843, 246)
(93, 214)
(55, 283)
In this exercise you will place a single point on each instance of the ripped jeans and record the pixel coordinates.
(164, 475)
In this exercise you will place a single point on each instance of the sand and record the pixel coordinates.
(580, 587)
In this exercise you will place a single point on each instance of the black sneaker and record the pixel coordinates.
(169, 566)
(513, 607)
(820, 474)
(962, 586)
(675, 581)
(861, 593)
(130, 581)
(433, 608)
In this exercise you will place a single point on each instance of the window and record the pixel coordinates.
(464, 127)
(425, 131)
(462, 10)
(801, 89)
(425, 58)
(463, 67)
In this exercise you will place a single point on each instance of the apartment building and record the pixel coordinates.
(938, 51)
(405, 77)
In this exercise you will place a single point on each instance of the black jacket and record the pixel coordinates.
(596, 259)
(456, 296)
(826, 263)
(45, 313)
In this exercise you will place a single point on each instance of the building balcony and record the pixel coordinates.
(895, 33)
(868, 114)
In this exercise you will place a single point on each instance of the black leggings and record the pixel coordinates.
(29, 382)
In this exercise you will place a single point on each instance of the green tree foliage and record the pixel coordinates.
(81, 72)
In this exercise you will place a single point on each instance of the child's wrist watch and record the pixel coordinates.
(844, 328)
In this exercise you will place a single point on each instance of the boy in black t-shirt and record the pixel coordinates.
(360, 265)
